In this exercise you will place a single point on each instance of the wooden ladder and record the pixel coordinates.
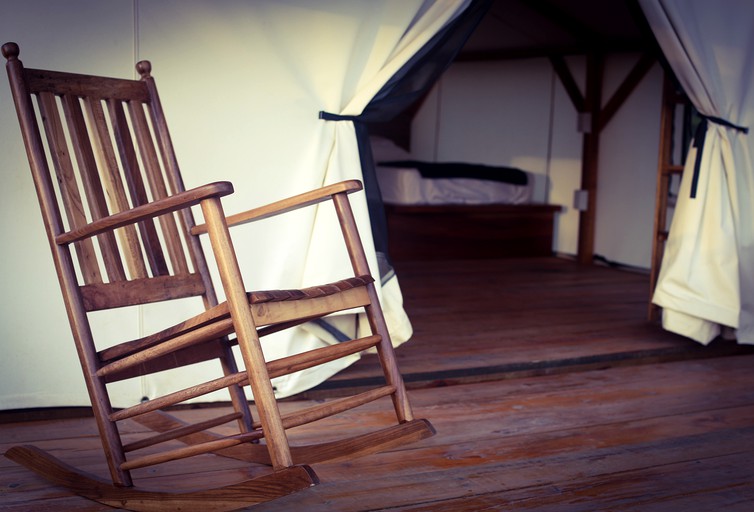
(670, 163)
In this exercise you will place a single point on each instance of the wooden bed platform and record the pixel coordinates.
(441, 232)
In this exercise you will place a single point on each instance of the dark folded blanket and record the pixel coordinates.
(462, 170)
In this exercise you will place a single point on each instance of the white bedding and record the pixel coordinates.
(406, 185)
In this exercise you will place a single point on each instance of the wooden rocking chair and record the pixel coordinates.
(122, 233)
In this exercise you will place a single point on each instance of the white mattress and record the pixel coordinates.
(407, 186)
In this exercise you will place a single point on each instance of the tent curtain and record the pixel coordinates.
(706, 279)
(376, 38)
(407, 86)
(404, 88)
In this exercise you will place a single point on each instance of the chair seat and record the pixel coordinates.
(221, 313)
(260, 297)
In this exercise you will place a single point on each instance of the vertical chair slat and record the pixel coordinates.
(175, 182)
(131, 170)
(92, 185)
(162, 134)
(157, 185)
(69, 190)
(129, 239)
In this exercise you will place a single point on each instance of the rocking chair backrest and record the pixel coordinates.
(104, 147)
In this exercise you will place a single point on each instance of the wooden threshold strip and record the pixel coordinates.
(343, 385)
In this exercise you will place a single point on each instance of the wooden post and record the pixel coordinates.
(248, 340)
(665, 170)
(590, 158)
(595, 119)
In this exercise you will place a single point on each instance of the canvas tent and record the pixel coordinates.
(302, 58)
(265, 69)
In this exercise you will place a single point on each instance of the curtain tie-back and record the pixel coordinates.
(699, 136)
(329, 116)
(726, 123)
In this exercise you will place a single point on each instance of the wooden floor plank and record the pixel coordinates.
(671, 488)
(638, 436)
(496, 319)
(569, 432)
(652, 423)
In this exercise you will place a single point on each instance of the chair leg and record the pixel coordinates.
(386, 354)
(373, 311)
(98, 395)
(111, 442)
(237, 395)
(246, 332)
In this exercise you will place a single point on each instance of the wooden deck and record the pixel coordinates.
(548, 390)
(496, 319)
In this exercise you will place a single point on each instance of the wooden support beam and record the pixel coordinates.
(569, 83)
(590, 157)
(637, 73)
(598, 117)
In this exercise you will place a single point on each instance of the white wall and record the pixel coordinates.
(628, 169)
(107, 38)
(198, 51)
(517, 113)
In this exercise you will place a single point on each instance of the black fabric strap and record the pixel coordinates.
(699, 137)
(329, 116)
(727, 124)
(377, 216)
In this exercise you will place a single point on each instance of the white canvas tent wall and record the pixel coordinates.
(195, 44)
(242, 83)
(707, 274)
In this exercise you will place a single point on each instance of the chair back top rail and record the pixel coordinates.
(89, 86)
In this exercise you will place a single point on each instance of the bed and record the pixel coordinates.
(459, 210)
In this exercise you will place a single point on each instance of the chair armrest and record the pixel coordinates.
(147, 211)
(287, 205)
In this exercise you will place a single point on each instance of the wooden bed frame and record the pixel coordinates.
(433, 232)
